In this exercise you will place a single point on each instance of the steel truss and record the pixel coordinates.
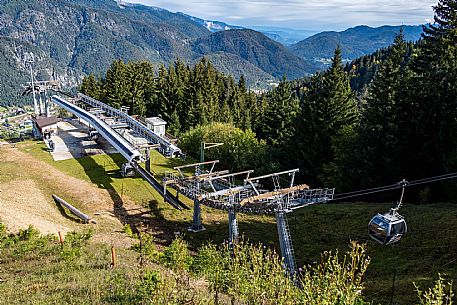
(221, 190)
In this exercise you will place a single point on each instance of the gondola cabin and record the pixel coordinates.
(387, 228)
(127, 170)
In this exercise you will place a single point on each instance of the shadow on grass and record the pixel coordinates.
(68, 216)
(104, 180)
(137, 218)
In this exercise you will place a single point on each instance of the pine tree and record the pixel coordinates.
(326, 110)
(339, 107)
(281, 109)
(376, 149)
(433, 106)
(174, 125)
(91, 86)
(117, 85)
(141, 76)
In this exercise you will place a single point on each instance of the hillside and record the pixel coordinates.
(268, 55)
(354, 42)
(72, 38)
(69, 38)
(212, 25)
(285, 36)
(113, 200)
(232, 64)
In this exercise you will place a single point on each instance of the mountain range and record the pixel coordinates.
(354, 42)
(70, 38)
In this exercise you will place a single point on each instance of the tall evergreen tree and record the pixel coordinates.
(117, 85)
(375, 160)
(327, 108)
(91, 87)
(281, 109)
(433, 107)
(141, 76)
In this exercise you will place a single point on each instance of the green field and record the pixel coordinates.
(429, 248)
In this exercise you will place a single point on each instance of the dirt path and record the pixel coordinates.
(24, 202)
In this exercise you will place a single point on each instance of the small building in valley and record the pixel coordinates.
(45, 126)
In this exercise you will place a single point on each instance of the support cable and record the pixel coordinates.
(401, 184)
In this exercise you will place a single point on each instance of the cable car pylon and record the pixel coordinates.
(223, 191)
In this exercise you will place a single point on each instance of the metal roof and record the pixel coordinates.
(42, 122)
(156, 121)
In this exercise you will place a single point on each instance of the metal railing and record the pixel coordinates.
(166, 147)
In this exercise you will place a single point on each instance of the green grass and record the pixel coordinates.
(43, 276)
(429, 248)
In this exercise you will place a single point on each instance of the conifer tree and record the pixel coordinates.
(327, 108)
(433, 107)
(339, 106)
(117, 85)
(141, 76)
(281, 109)
(91, 87)
(379, 135)
(174, 125)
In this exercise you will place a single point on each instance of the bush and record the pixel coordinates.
(148, 285)
(28, 234)
(177, 256)
(2, 230)
(147, 248)
(127, 229)
(74, 245)
(440, 294)
(241, 149)
(26, 242)
(334, 281)
(212, 264)
(255, 275)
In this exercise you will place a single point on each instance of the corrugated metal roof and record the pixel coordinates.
(42, 122)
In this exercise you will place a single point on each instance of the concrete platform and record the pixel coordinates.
(72, 141)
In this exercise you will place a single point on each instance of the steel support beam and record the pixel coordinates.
(148, 160)
(197, 219)
(285, 241)
(233, 226)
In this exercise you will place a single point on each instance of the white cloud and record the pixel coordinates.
(306, 14)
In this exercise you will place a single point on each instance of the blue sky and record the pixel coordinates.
(304, 14)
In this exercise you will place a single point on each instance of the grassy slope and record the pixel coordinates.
(428, 249)
(46, 279)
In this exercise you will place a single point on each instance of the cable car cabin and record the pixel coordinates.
(127, 170)
(387, 228)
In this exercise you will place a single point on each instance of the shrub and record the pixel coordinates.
(177, 256)
(2, 230)
(334, 281)
(28, 234)
(127, 229)
(147, 248)
(74, 245)
(241, 149)
(440, 294)
(26, 242)
(148, 285)
(255, 275)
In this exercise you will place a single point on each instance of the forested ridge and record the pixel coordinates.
(73, 38)
(401, 123)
